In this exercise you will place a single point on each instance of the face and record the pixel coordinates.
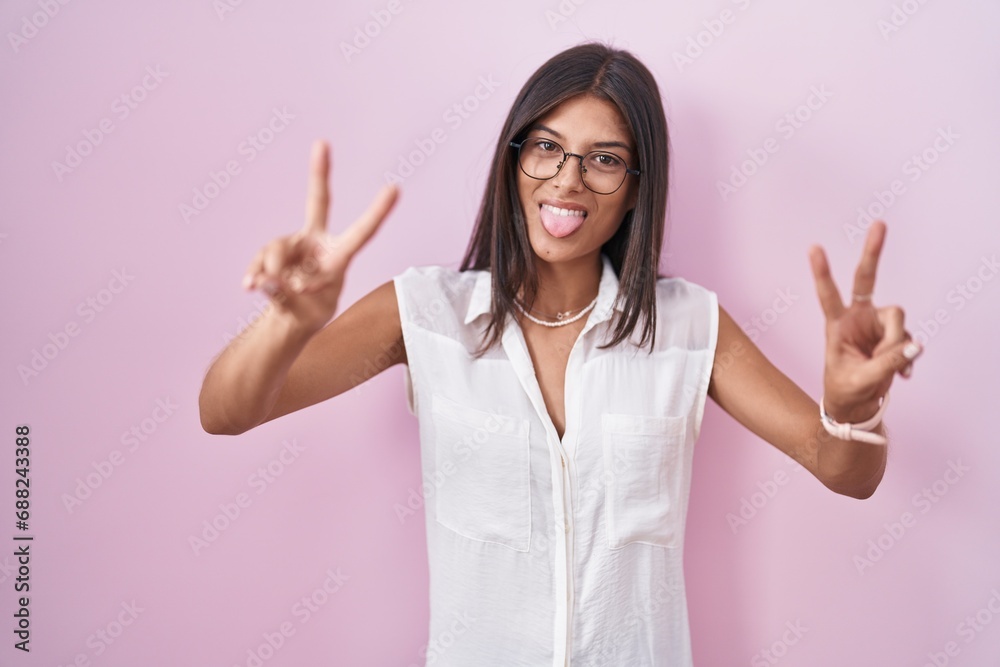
(580, 124)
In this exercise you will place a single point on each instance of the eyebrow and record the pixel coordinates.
(599, 144)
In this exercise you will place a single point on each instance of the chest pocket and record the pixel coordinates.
(643, 478)
(482, 469)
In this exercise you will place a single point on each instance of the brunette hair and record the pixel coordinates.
(499, 239)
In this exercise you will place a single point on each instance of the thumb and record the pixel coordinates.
(896, 358)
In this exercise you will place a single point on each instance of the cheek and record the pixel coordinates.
(612, 213)
(525, 192)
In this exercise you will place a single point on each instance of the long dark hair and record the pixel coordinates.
(500, 239)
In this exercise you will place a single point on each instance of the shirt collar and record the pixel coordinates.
(606, 293)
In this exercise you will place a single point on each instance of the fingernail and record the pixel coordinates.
(906, 371)
(912, 350)
(247, 281)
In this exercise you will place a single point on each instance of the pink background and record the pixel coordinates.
(62, 237)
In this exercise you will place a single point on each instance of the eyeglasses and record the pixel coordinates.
(601, 171)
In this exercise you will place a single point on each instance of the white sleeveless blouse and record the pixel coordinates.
(549, 553)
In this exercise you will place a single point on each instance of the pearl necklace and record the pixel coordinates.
(560, 316)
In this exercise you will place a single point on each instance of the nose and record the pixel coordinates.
(570, 172)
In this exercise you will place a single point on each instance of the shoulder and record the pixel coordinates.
(677, 293)
(688, 313)
(436, 278)
(436, 292)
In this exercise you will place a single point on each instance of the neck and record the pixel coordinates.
(567, 286)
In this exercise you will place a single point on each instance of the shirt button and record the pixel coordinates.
(562, 461)
(567, 525)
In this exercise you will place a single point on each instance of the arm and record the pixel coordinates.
(865, 348)
(275, 367)
(294, 356)
(753, 391)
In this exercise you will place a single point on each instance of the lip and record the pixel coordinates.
(570, 206)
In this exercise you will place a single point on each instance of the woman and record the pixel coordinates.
(556, 452)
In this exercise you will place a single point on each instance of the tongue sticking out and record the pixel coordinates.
(559, 225)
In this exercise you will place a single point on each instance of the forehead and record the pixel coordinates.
(587, 118)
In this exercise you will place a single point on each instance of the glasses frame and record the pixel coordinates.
(566, 156)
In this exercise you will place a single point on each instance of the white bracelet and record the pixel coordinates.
(860, 431)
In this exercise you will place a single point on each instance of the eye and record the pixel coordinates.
(546, 146)
(607, 160)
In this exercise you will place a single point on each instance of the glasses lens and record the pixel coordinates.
(603, 172)
(540, 158)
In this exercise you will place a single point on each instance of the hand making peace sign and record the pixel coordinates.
(303, 273)
(865, 346)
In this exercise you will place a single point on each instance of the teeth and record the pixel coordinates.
(563, 211)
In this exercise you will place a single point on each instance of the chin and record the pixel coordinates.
(550, 250)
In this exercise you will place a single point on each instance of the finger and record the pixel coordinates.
(355, 236)
(319, 263)
(271, 260)
(275, 262)
(256, 265)
(826, 289)
(318, 194)
(864, 276)
(894, 359)
(276, 290)
(908, 368)
(315, 284)
(328, 261)
(302, 261)
(891, 318)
